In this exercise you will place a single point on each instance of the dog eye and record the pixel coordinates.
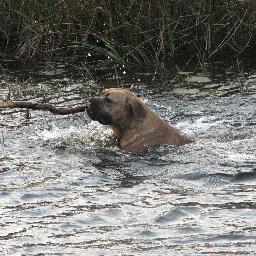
(109, 100)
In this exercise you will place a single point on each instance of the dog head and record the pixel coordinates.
(116, 107)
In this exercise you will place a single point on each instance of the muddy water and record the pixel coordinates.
(65, 189)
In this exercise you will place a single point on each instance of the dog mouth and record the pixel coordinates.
(96, 115)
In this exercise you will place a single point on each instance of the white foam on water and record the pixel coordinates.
(201, 124)
(92, 134)
(242, 158)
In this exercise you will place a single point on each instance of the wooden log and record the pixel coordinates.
(42, 106)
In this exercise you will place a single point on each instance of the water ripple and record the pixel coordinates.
(66, 189)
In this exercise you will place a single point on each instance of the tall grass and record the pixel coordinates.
(144, 31)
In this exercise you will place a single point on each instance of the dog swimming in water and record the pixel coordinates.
(135, 125)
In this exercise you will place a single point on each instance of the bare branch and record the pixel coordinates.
(42, 106)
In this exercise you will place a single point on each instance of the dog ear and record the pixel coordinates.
(136, 108)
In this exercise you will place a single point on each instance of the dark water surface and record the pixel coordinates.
(65, 190)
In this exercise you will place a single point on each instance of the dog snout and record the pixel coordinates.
(94, 101)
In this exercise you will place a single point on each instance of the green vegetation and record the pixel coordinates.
(144, 31)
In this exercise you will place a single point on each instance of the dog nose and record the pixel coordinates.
(94, 101)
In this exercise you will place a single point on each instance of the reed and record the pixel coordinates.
(145, 31)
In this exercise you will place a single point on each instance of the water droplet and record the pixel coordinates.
(124, 72)
(89, 54)
(138, 79)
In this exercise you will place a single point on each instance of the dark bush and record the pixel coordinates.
(142, 31)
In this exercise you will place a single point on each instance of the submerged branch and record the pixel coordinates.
(42, 106)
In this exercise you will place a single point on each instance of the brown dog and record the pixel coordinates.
(135, 125)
